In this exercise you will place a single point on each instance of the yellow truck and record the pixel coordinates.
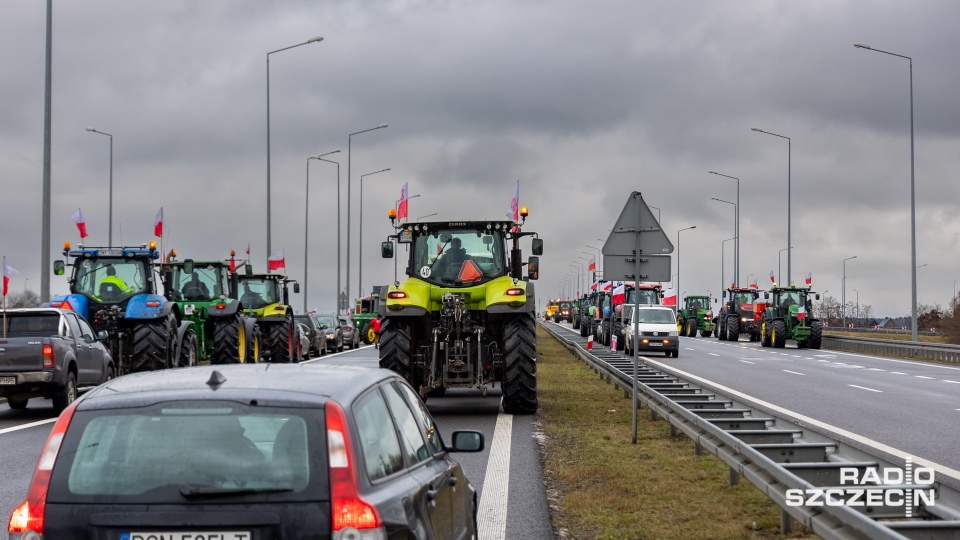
(552, 307)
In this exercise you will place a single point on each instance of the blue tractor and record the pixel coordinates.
(116, 290)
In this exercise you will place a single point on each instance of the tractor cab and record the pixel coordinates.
(791, 302)
(648, 295)
(198, 281)
(459, 257)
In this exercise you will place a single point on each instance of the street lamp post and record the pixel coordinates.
(586, 272)
(349, 143)
(658, 212)
(311, 40)
(748, 279)
(843, 291)
(337, 163)
(736, 248)
(789, 244)
(360, 249)
(579, 268)
(426, 216)
(678, 262)
(913, 200)
(110, 223)
(736, 232)
(599, 265)
(306, 231)
(857, 315)
(723, 253)
(396, 208)
(779, 276)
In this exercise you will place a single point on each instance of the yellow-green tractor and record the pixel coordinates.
(266, 297)
(465, 315)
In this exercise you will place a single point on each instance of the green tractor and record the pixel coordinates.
(364, 311)
(695, 315)
(206, 292)
(267, 298)
(465, 316)
(790, 316)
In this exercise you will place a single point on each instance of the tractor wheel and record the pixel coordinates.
(584, 326)
(681, 326)
(705, 333)
(153, 345)
(396, 349)
(66, 395)
(721, 328)
(618, 331)
(368, 334)
(280, 340)
(733, 328)
(764, 334)
(229, 340)
(575, 322)
(188, 350)
(816, 334)
(691, 328)
(254, 351)
(779, 334)
(520, 366)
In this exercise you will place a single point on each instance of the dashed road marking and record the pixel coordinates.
(794, 372)
(875, 369)
(492, 512)
(865, 388)
(923, 377)
(747, 362)
(897, 373)
(713, 354)
(30, 425)
(949, 381)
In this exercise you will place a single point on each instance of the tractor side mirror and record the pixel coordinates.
(188, 266)
(724, 293)
(296, 288)
(817, 296)
(766, 295)
(58, 268)
(537, 246)
(533, 268)
(715, 300)
(248, 269)
(386, 250)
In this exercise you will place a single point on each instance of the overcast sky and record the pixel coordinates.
(583, 102)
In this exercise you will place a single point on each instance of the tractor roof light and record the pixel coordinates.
(233, 253)
(153, 244)
(66, 246)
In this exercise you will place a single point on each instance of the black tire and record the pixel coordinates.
(109, 373)
(691, 327)
(605, 332)
(816, 334)
(255, 347)
(676, 354)
(733, 328)
(229, 340)
(396, 349)
(366, 334)
(575, 323)
(584, 327)
(618, 332)
(764, 333)
(153, 345)
(779, 334)
(706, 333)
(722, 328)
(17, 404)
(280, 340)
(66, 395)
(520, 366)
(188, 350)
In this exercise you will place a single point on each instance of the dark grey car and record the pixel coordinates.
(330, 325)
(308, 451)
(317, 337)
(351, 338)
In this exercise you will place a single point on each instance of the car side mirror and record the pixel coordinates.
(102, 335)
(58, 268)
(533, 267)
(296, 288)
(386, 250)
(188, 266)
(467, 441)
(537, 246)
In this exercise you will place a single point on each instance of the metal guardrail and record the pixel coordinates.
(777, 455)
(940, 352)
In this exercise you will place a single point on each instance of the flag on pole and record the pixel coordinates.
(607, 286)
(595, 285)
(772, 278)
(619, 293)
(514, 212)
(402, 209)
(158, 224)
(809, 279)
(81, 223)
(277, 261)
(754, 285)
(670, 297)
(8, 272)
(593, 263)
(248, 250)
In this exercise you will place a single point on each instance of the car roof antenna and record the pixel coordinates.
(216, 379)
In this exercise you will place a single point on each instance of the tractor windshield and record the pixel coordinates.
(744, 298)
(204, 284)
(110, 281)
(649, 297)
(697, 302)
(258, 292)
(790, 298)
(459, 257)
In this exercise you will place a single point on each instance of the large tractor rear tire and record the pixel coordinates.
(153, 345)
(520, 366)
(691, 327)
(396, 349)
(733, 328)
(779, 334)
(229, 340)
(618, 332)
(280, 339)
(816, 334)
(584, 327)
(189, 350)
(722, 328)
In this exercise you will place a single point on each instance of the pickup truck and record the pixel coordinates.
(49, 353)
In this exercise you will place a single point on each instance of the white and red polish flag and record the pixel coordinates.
(276, 261)
(158, 224)
(81, 223)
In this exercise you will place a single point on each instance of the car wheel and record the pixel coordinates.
(17, 404)
(67, 395)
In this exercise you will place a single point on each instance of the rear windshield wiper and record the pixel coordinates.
(200, 492)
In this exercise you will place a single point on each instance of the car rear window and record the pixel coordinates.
(148, 455)
(32, 324)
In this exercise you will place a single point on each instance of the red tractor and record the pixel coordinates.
(741, 313)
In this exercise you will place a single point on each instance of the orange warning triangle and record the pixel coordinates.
(469, 272)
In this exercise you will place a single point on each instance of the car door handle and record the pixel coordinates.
(452, 481)
(431, 495)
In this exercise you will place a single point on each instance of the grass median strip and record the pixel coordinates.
(603, 487)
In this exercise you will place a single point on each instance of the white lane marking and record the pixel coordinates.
(908, 362)
(941, 469)
(865, 388)
(25, 426)
(794, 372)
(331, 355)
(713, 354)
(492, 513)
(949, 381)
(747, 362)
(897, 373)
(797, 356)
(922, 377)
(827, 361)
(807, 358)
(875, 369)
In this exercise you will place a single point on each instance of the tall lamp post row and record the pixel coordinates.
(736, 232)
(110, 223)
(360, 249)
(680, 299)
(349, 155)
(843, 291)
(306, 230)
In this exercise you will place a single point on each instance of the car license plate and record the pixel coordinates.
(8, 380)
(656, 344)
(166, 535)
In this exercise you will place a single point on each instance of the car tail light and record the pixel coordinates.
(48, 361)
(26, 521)
(351, 514)
(396, 294)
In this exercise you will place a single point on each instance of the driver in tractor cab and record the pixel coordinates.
(195, 289)
(250, 298)
(454, 257)
(111, 287)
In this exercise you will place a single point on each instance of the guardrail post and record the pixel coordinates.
(673, 430)
(786, 522)
(697, 448)
(653, 415)
(734, 477)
